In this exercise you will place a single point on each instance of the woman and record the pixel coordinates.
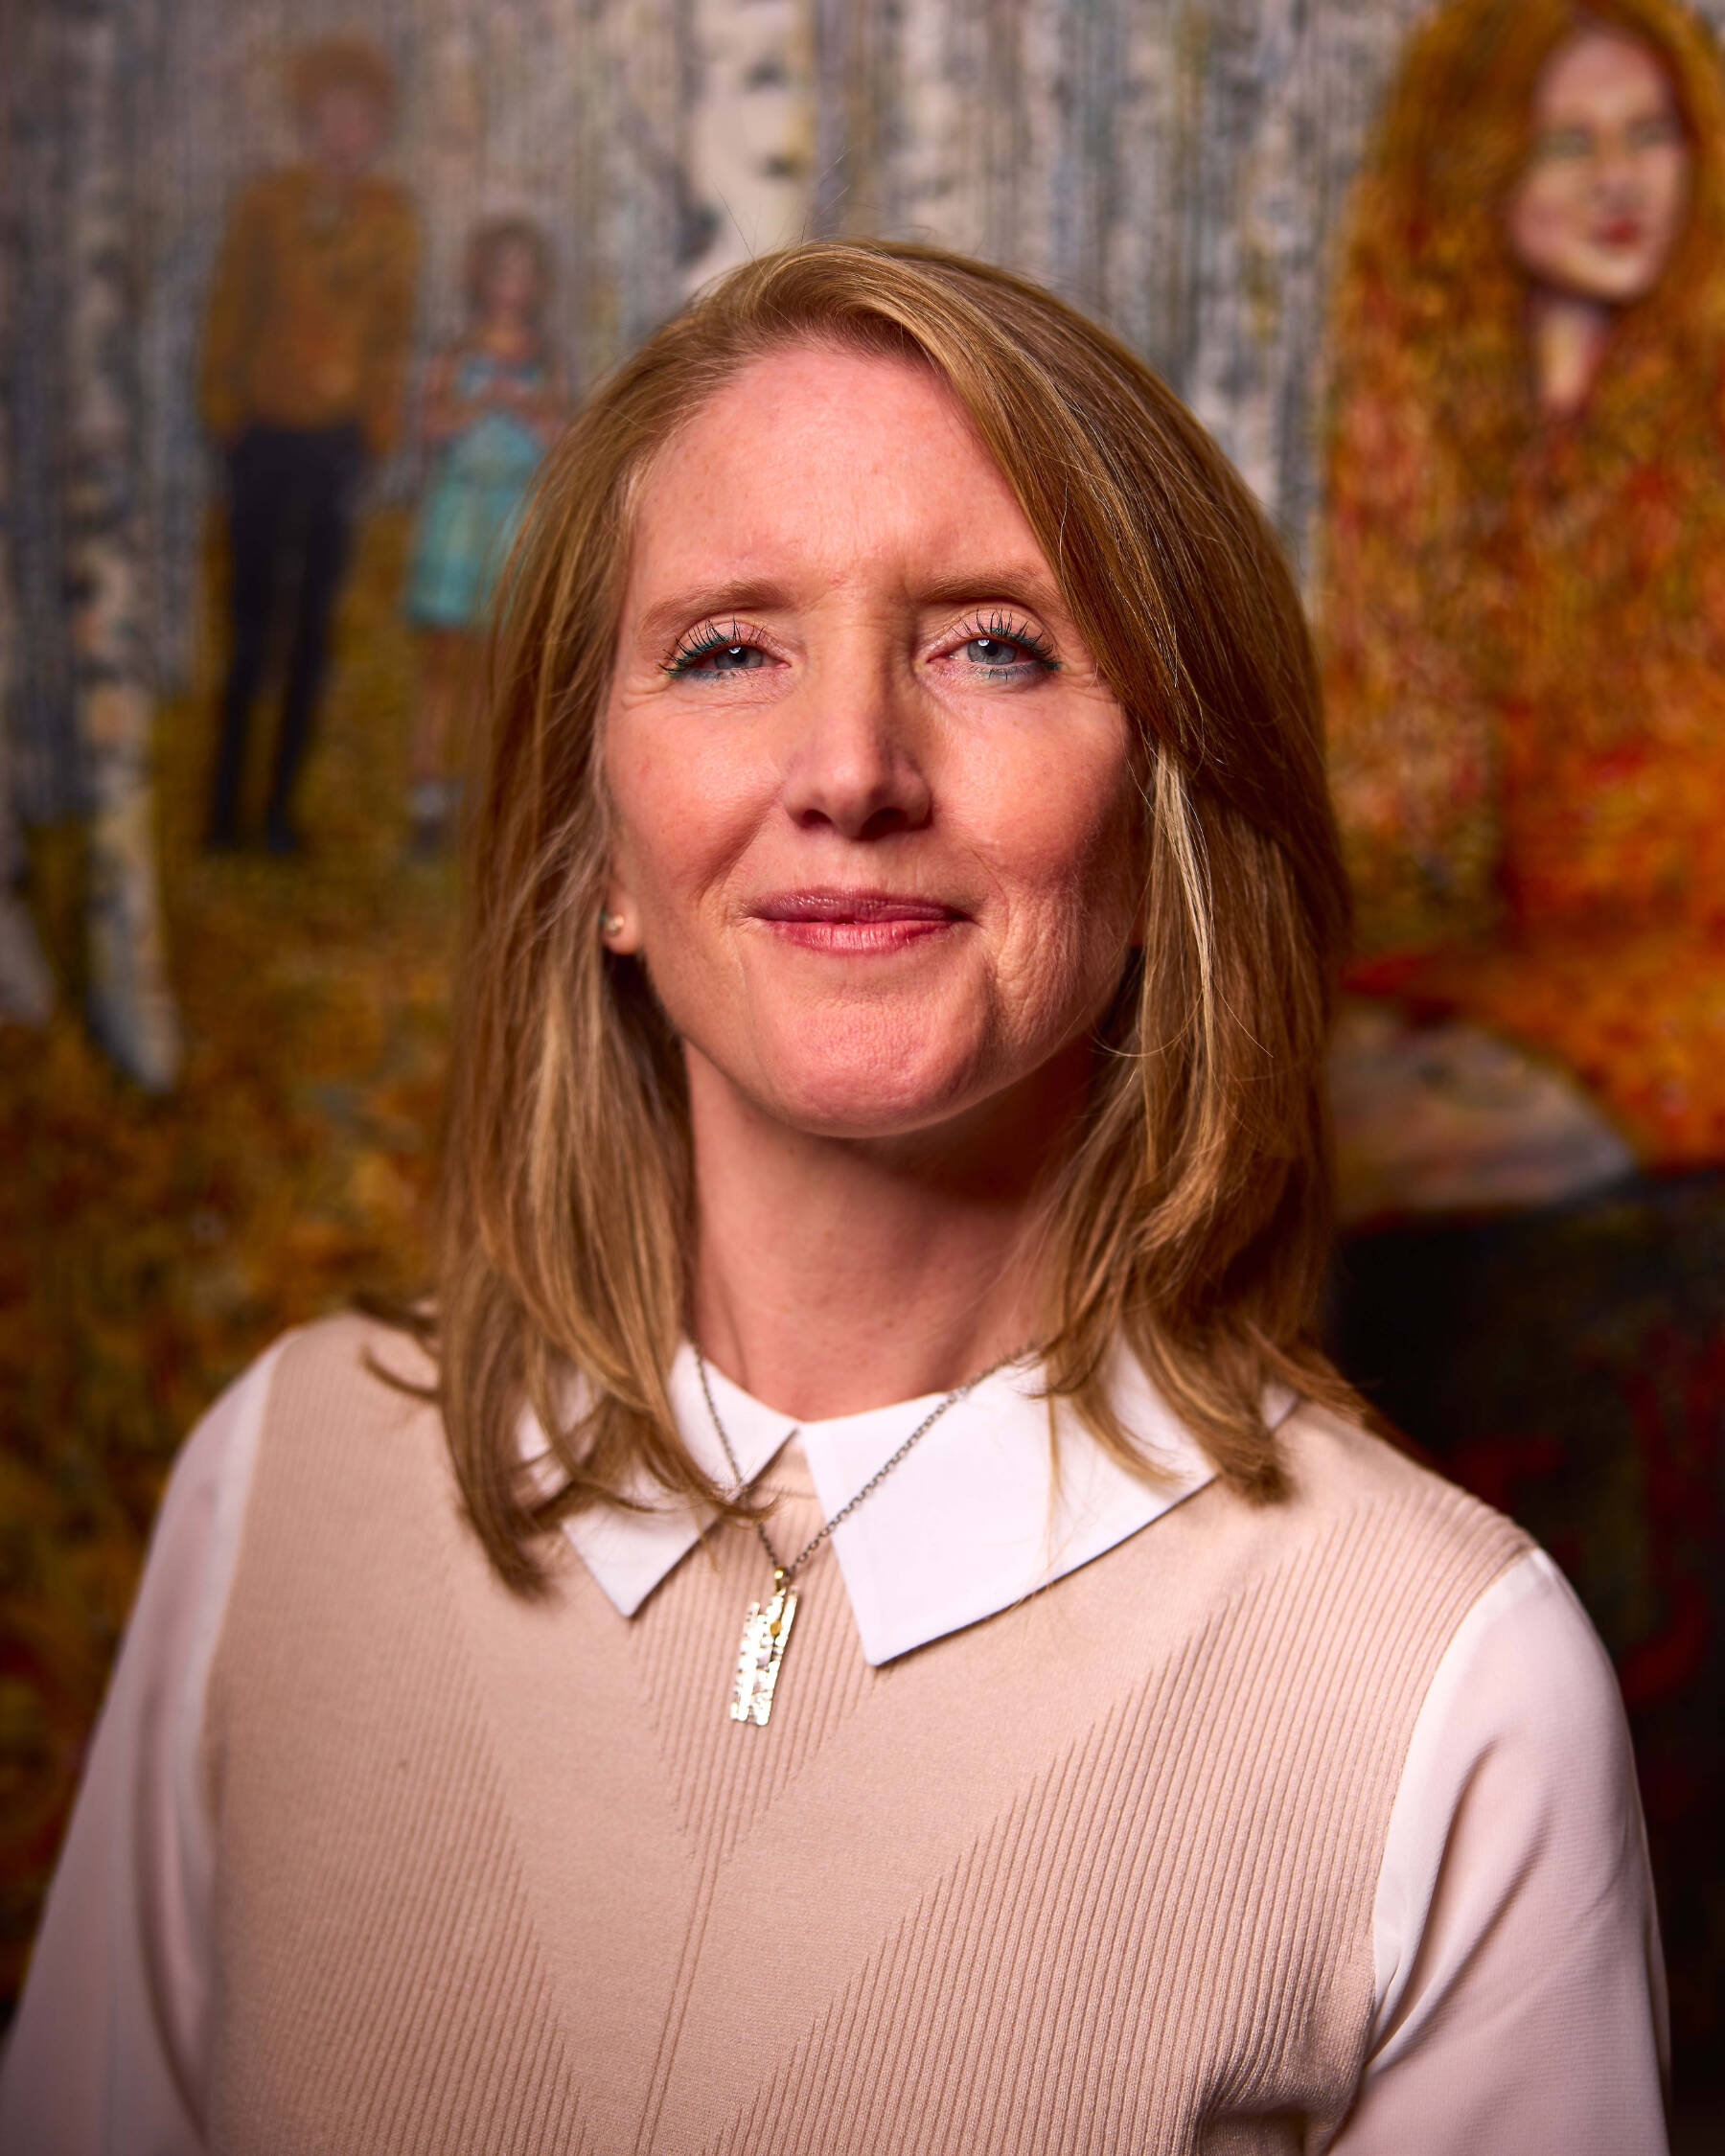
(494, 402)
(1525, 624)
(886, 1126)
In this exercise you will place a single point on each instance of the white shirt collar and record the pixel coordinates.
(974, 1520)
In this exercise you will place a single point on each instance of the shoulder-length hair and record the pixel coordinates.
(1191, 1217)
(1433, 610)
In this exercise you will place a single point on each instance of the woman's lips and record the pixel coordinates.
(857, 921)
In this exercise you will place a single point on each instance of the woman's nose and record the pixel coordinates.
(1618, 171)
(855, 763)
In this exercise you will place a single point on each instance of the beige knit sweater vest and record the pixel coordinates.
(1095, 1874)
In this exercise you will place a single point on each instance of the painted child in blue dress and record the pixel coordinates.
(492, 402)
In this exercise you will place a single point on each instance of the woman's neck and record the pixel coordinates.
(835, 1275)
(1568, 335)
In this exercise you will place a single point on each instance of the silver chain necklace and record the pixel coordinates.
(766, 1628)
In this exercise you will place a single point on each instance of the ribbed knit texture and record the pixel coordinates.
(1095, 1874)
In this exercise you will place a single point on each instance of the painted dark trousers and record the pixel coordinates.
(291, 519)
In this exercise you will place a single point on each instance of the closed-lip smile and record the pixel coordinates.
(857, 922)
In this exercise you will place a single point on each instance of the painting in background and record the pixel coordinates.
(1524, 603)
(1523, 614)
(300, 375)
(256, 1145)
(493, 400)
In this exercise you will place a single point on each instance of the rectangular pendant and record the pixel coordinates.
(764, 1632)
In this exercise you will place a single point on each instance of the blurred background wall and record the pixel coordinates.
(241, 1135)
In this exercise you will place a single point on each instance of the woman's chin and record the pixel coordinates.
(877, 1083)
(861, 1104)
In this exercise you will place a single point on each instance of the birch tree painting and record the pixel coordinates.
(1179, 170)
(131, 1009)
(26, 986)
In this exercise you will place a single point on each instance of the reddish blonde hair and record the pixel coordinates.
(1190, 1216)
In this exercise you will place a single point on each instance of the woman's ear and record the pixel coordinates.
(619, 922)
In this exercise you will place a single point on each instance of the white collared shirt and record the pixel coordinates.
(1518, 1984)
(988, 1462)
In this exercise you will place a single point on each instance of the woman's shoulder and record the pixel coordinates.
(320, 1403)
(352, 1372)
(345, 1457)
(1345, 1477)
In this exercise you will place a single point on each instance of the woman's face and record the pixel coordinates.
(872, 803)
(1601, 201)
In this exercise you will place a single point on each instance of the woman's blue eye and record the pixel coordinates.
(719, 657)
(994, 652)
(1000, 645)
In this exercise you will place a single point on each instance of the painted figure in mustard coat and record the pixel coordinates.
(304, 359)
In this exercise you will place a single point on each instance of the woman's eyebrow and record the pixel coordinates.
(1020, 583)
(718, 602)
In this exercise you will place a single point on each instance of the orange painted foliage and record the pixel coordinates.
(149, 1247)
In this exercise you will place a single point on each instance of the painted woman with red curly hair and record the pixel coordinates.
(1525, 600)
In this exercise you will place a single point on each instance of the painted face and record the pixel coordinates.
(345, 129)
(872, 802)
(511, 279)
(1601, 201)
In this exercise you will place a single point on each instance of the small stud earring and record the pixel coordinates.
(609, 924)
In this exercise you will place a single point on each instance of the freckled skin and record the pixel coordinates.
(1601, 201)
(836, 518)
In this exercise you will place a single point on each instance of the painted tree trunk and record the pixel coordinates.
(130, 1009)
(26, 985)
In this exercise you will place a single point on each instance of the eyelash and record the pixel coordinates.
(1002, 628)
(709, 637)
(996, 628)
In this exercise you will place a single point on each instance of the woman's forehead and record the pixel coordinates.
(830, 460)
(1597, 73)
(826, 407)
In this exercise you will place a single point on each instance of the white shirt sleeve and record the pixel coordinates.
(1520, 1992)
(109, 2050)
